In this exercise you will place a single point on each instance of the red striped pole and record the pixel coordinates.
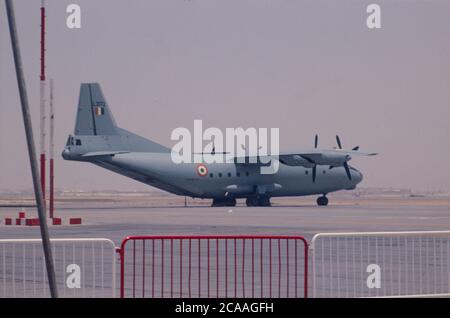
(42, 40)
(42, 99)
(51, 153)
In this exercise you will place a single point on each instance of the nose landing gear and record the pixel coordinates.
(322, 201)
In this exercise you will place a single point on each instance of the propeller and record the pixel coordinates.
(213, 151)
(345, 164)
(314, 168)
(245, 147)
(338, 140)
(346, 167)
(347, 170)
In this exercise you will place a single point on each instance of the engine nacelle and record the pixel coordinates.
(333, 159)
(296, 160)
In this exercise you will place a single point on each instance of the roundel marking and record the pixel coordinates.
(202, 170)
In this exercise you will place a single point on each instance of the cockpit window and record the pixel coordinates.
(69, 141)
(78, 142)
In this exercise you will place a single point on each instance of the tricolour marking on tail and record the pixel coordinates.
(94, 116)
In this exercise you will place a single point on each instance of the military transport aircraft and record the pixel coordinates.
(98, 140)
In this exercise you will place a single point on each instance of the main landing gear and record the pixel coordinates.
(322, 201)
(258, 201)
(223, 202)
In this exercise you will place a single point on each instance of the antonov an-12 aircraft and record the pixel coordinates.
(98, 140)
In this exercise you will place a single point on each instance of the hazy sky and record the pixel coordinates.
(306, 67)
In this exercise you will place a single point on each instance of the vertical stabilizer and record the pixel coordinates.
(93, 115)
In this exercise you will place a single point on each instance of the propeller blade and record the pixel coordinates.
(347, 170)
(355, 148)
(316, 141)
(314, 173)
(338, 140)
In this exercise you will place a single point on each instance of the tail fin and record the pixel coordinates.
(94, 116)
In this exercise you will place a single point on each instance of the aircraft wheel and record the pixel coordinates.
(322, 201)
(223, 202)
(251, 201)
(218, 203)
(265, 201)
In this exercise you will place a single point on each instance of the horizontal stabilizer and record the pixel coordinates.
(103, 153)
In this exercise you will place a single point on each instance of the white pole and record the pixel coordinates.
(51, 152)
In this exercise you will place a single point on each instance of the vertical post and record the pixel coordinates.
(51, 153)
(42, 99)
(122, 269)
(31, 148)
(306, 267)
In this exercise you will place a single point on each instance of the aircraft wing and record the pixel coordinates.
(310, 158)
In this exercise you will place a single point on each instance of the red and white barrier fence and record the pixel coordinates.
(360, 264)
(214, 266)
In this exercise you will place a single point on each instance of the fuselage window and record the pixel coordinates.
(229, 174)
(247, 173)
(211, 175)
(238, 174)
(220, 175)
(306, 171)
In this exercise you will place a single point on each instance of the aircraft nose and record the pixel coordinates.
(66, 153)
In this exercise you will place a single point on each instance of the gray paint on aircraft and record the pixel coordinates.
(98, 140)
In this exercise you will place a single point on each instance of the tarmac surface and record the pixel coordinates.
(341, 271)
(284, 218)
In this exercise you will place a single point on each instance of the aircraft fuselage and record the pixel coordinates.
(221, 180)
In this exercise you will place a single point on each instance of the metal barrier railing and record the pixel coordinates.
(214, 266)
(84, 267)
(359, 264)
(381, 264)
